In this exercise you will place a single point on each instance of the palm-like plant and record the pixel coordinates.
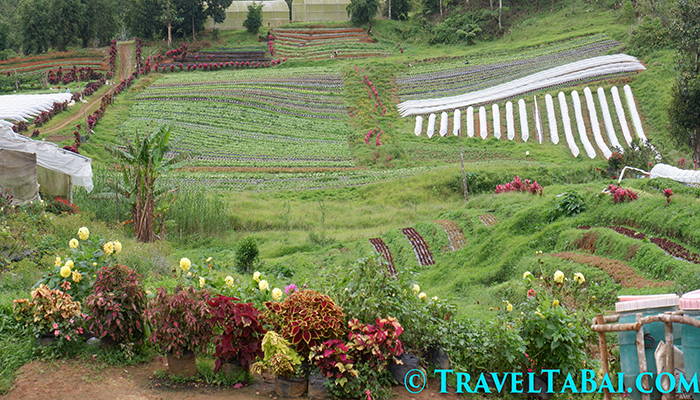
(143, 162)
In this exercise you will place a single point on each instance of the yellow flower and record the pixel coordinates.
(94, 264)
(415, 288)
(77, 276)
(539, 314)
(108, 248)
(555, 303)
(189, 274)
(69, 263)
(256, 276)
(58, 261)
(73, 244)
(276, 294)
(262, 285)
(229, 281)
(65, 271)
(83, 233)
(559, 277)
(527, 275)
(208, 259)
(117, 247)
(435, 298)
(422, 296)
(509, 307)
(578, 277)
(185, 264)
(201, 281)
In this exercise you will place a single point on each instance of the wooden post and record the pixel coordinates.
(670, 362)
(642, 358)
(603, 355)
(70, 189)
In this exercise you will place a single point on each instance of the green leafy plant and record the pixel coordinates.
(52, 313)
(247, 254)
(239, 331)
(306, 318)
(254, 19)
(179, 320)
(570, 204)
(89, 253)
(116, 304)
(279, 359)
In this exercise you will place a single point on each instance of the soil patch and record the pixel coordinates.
(81, 379)
(619, 271)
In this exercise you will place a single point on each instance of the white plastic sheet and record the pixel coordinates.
(496, 121)
(524, 130)
(595, 125)
(510, 121)
(538, 123)
(607, 120)
(566, 123)
(621, 115)
(581, 125)
(552, 119)
(483, 125)
(50, 156)
(419, 125)
(444, 121)
(431, 125)
(23, 107)
(677, 174)
(636, 121)
(457, 125)
(470, 121)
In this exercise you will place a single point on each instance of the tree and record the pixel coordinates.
(143, 162)
(362, 12)
(66, 18)
(169, 16)
(253, 20)
(139, 21)
(398, 9)
(216, 9)
(99, 22)
(34, 18)
(684, 107)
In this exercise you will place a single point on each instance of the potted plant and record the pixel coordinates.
(239, 331)
(53, 315)
(335, 366)
(115, 306)
(306, 318)
(284, 362)
(180, 326)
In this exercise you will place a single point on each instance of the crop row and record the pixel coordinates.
(420, 247)
(381, 248)
(263, 182)
(672, 248)
(467, 79)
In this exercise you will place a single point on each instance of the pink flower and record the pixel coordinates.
(289, 289)
(68, 337)
(368, 394)
(55, 325)
(71, 320)
(56, 332)
(531, 293)
(238, 386)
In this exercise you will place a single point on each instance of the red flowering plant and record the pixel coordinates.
(306, 319)
(621, 195)
(179, 320)
(668, 193)
(375, 344)
(116, 304)
(239, 331)
(519, 185)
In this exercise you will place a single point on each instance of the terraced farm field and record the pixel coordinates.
(37, 65)
(292, 118)
(321, 44)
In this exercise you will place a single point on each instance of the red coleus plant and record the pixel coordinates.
(621, 195)
(668, 193)
(179, 320)
(240, 331)
(115, 306)
(375, 343)
(331, 357)
(520, 186)
(306, 318)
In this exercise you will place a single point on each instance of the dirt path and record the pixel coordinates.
(83, 380)
(125, 69)
(619, 271)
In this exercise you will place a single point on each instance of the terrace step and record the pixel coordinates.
(381, 248)
(420, 247)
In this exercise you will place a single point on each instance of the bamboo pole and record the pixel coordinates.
(606, 319)
(632, 326)
(603, 355)
(642, 357)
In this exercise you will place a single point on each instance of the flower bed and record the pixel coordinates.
(454, 233)
(420, 247)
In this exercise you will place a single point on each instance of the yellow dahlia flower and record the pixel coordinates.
(77, 276)
(256, 276)
(416, 289)
(276, 294)
(422, 296)
(73, 244)
(83, 233)
(559, 277)
(229, 281)
(117, 247)
(263, 285)
(65, 271)
(185, 264)
(578, 277)
(108, 248)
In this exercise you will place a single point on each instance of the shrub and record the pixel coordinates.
(621, 195)
(332, 359)
(253, 20)
(375, 344)
(247, 253)
(648, 35)
(59, 205)
(307, 318)
(179, 320)
(240, 331)
(280, 359)
(116, 305)
(570, 204)
(362, 12)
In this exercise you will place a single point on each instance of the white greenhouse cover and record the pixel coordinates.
(571, 72)
(23, 107)
(677, 174)
(50, 156)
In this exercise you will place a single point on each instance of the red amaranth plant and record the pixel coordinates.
(621, 195)
(520, 186)
(668, 193)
